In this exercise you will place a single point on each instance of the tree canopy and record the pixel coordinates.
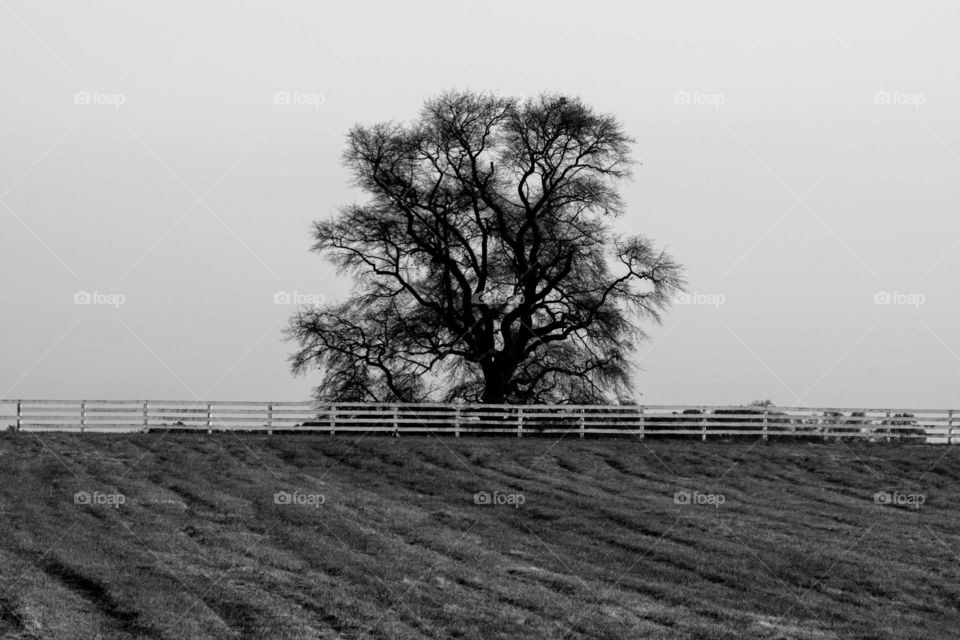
(485, 263)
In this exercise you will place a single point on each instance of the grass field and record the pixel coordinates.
(188, 536)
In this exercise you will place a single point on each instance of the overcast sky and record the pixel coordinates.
(799, 157)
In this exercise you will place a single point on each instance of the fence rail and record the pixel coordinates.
(648, 421)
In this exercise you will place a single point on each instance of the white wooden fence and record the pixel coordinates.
(651, 421)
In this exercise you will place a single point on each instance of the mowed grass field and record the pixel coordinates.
(382, 538)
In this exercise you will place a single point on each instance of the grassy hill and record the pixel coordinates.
(189, 536)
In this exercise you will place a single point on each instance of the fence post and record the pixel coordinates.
(520, 422)
(889, 426)
(583, 413)
(765, 424)
(19, 415)
(83, 414)
(950, 427)
(270, 419)
(703, 427)
(640, 434)
(146, 416)
(456, 422)
(396, 422)
(209, 417)
(333, 419)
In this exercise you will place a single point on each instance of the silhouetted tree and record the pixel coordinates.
(485, 263)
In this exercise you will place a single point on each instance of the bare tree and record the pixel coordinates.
(485, 262)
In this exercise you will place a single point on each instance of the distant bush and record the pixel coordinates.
(901, 426)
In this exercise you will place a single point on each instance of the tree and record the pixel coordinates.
(485, 262)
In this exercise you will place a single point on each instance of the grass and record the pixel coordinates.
(788, 542)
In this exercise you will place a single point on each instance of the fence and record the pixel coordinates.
(653, 421)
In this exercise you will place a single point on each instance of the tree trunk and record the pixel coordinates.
(494, 384)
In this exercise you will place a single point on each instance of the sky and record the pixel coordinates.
(162, 163)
